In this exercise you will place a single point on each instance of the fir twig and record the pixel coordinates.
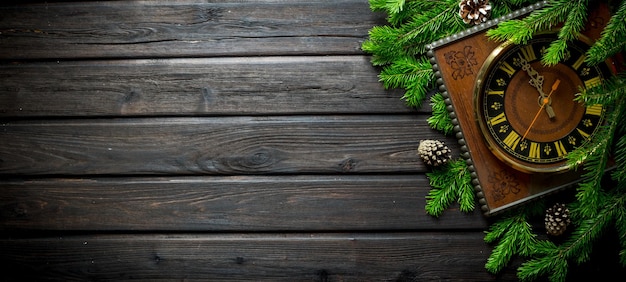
(514, 236)
(595, 155)
(451, 182)
(554, 263)
(620, 226)
(440, 118)
(521, 30)
(571, 13)
(414, 75)
(611, 40)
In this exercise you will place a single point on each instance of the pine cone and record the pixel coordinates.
(434, 152)
(474, 11)
(557, 219)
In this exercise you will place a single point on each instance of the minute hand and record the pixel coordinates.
(536, 80)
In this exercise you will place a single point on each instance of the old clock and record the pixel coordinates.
(526, 110)
(515, 118)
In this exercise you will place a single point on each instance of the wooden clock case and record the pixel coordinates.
(456, 61)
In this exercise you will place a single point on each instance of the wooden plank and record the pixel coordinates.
(251, 257)
(183, 87)
(222, 145)
(322, 203)
(120, 29)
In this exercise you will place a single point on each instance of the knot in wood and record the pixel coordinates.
(261, 158)
(348, 165)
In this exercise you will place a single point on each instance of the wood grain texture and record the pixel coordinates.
(227, 145)
(115, 29)
(214, 141)
(251, 257)
(239, 203)
(183, 87)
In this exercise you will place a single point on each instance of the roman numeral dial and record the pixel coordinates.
(513, 93)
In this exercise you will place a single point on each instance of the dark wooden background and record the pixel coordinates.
(240, 140)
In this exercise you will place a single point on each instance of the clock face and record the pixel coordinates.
(526, 111)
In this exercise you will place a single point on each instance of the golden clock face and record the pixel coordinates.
(526, 111)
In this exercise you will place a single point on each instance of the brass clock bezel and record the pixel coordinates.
(518, 164)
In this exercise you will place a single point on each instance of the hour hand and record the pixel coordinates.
(536, 80)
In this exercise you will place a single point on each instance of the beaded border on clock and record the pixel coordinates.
(444, 91)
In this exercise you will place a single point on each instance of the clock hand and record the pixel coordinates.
(536, 80)
(544, 101)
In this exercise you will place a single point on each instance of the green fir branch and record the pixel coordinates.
(406, 72)
(450, 183)
(397, 46)
(619, 175)
(381, 44)
(620, 226)
(573, 15)
(388, 6)
(596, 208)
(574, 24)
(542, 266)
(414, 75)
(514, 236)
(518, 31)
(595, 155)
(607, 93)
(594, 158)
(408, 37)
(612, 38)
(521, 30)
(427, 26)
(577, 249)
(440, 118)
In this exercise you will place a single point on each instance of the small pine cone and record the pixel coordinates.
(434, 152)
(474, 11)
(557, 219)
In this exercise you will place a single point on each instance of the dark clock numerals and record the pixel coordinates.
(543, 152)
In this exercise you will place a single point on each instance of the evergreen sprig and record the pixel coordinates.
(414, 75)
(609, 43)
(400, 47)
(514, 236)
(440, 118)
(595, 155)
(573, 15)
(450, 183)
(597, 207)
(554, 260)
